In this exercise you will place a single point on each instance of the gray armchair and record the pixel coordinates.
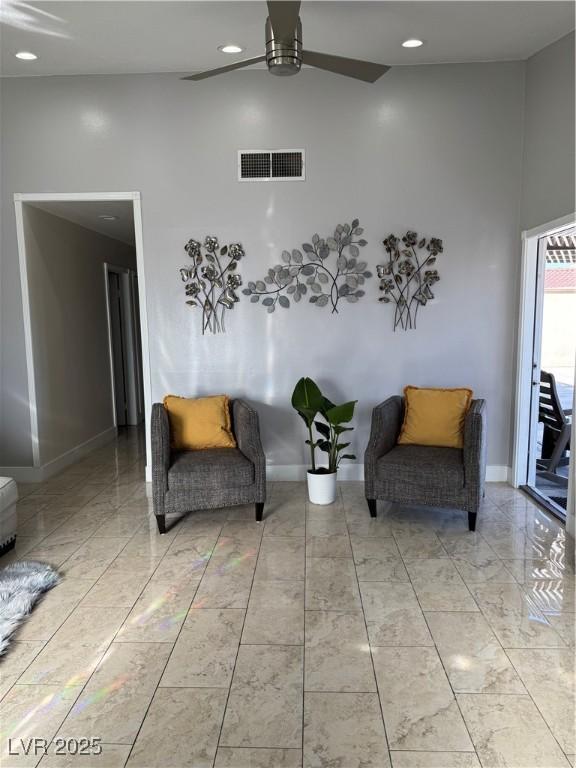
(419, 474)
(184, 481)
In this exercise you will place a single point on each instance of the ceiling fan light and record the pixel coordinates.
(413, 42)
(230, 48)
(26, 56)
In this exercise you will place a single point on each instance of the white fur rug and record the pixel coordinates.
(21, 585)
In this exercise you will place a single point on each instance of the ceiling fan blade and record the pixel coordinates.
(283, 18)
(227, 68)
(361, 70)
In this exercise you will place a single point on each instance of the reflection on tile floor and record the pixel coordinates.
(318, 638)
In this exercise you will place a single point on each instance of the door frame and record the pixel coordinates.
(133, 380)
(122, 272)
(527, 329)
(20, 199)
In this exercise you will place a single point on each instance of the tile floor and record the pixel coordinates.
(318, 638)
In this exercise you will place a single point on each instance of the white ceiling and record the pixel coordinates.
(130, 36)
(85, 214)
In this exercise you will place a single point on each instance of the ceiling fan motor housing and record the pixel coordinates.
(283, 57)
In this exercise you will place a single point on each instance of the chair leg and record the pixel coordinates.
(372, 507)
(561, 444)
(472, 521)
(259, 511)
(161, 523)
(549, 440)
(7, 546)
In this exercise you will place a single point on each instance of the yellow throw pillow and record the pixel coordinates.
(199, 423)
(434, 416)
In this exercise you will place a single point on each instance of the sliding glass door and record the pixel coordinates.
(553, 368)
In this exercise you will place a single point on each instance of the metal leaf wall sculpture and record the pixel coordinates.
(408, 276)
(212, 280)
(313, 273)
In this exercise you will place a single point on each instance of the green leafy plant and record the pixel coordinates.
(310, 403)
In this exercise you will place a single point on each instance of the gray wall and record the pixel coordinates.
(70, 329)
(434, 148)
(549, 157)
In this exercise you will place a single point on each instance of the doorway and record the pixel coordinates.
(55, 288)
(543, 460)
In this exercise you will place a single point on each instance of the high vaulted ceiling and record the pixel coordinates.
(130, 36)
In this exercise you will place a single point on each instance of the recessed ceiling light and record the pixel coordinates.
(231, 48)
(26, 55)
(107, 217)
(412, 43)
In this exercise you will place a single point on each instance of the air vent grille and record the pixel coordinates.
(255, 165)
(287, 165)
(271, 165)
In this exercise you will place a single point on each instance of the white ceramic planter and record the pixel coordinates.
(322, 488)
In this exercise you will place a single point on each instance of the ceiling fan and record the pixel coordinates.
(285, 55)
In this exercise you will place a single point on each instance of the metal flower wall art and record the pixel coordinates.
(313, 272)
(406, 279)
(212, 280)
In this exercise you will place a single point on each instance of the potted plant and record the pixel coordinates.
(310, 403)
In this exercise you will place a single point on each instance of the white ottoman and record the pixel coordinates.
(8, 499)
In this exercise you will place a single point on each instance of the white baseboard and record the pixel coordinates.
(347, 472)
(22, 474)
(292, 472)
(78, 452)
(45, 471)
(496, 473)
(274, 472)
